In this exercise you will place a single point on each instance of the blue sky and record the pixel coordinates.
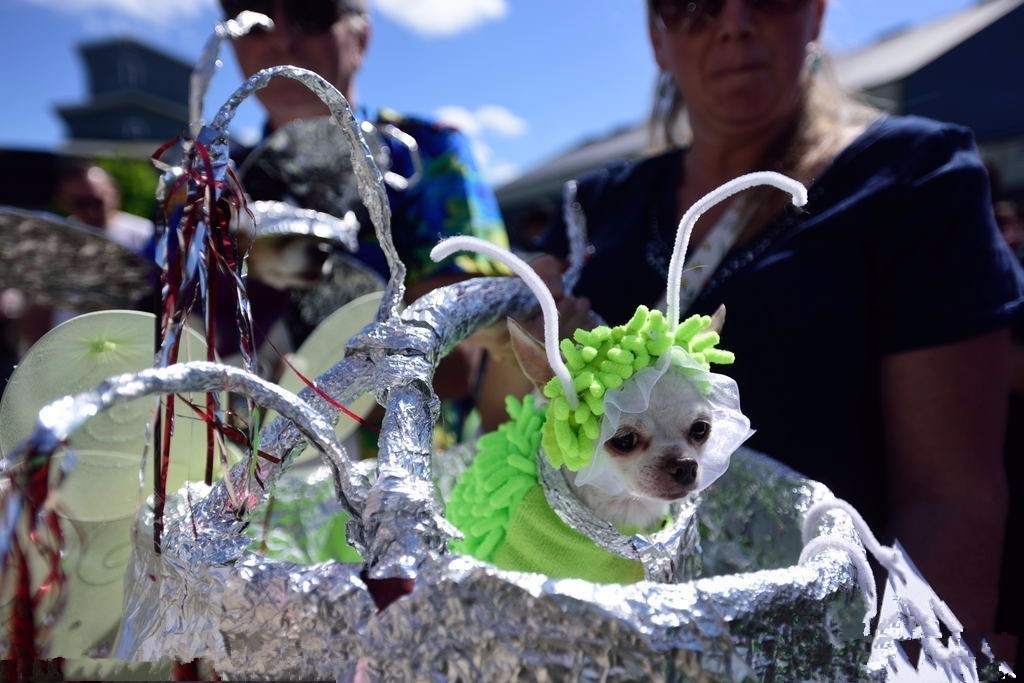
(525, 78)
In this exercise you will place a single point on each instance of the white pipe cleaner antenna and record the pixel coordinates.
(925, 615)
(449, 246)
(886, 556)
(721, 193)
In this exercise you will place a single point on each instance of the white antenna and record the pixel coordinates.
(449, 246)
(675, 268)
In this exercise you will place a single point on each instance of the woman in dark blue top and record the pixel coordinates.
(894, 251)
(871, 327)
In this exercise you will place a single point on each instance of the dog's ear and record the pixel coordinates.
(718, 319)
(531, 356)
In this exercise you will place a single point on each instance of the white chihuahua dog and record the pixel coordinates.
(651, 457)
(634, 419)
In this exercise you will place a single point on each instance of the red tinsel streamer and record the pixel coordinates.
(23, 624)
(198, 233)
(31, 480)
(229, 432)
(320, 392)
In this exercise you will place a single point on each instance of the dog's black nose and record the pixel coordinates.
(683, 471)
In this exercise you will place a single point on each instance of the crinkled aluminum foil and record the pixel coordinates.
(395, 360)
(468, 619)
(755, 615)
(309, 157)
(57, 262)
(278, 219)
(369, 180)
(670, 556)
(256, 618)
(60, 418)
(209, 60)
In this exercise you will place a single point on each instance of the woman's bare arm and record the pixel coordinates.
(945, 415)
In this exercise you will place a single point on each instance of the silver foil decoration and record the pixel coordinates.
(59, 419)
(396, 360)
(209, 60)
(398, 182)
(671, 555)
(310, 160)
(58, 262)
(755, 615)
(278, 219)
(369, 180)
(470, 620)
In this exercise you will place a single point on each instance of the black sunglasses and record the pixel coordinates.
(693, 15)
(309, 16)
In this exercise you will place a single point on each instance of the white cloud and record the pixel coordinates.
(500, 173)
(488, 118)
(159, 13)
(460, 118)
(494, 170)
(500, 120)
(487, 121)
(483, 152)
(440, 18)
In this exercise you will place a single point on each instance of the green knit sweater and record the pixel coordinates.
(500, 507)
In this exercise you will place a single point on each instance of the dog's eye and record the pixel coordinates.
(699, 431)
(624, 441)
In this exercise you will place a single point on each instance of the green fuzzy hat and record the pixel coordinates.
(605, 357)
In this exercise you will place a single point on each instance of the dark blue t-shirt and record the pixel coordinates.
(897, 249)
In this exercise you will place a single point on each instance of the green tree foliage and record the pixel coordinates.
(138, 180)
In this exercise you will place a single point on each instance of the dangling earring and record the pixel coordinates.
(814, 56)
(666, 90)
(665, 111)
(665, 97)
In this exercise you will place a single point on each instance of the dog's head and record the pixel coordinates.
(657, 434)
(289, 261)
(656, 452)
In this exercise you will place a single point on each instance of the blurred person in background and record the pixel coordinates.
(451, 197)
(871, 327)
(87, 193)
(1010, 617)
(330, 38)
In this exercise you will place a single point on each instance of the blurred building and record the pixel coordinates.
(964, 68)
(138, 100)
